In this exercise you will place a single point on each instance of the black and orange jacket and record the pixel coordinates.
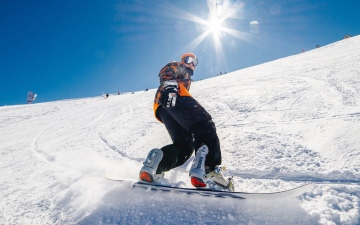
(173, 71)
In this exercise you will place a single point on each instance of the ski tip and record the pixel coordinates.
(298, 190)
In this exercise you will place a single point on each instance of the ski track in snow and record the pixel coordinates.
(280, 124)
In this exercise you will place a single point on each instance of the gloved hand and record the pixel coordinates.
(169, 94)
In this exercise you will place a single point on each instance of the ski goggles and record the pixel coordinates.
(189, 59)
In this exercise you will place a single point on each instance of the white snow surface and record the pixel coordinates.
(281, 124)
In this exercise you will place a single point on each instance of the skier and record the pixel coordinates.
(190, 127)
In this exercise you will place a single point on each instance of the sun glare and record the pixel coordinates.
(219, 12)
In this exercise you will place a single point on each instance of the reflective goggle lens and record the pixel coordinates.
(189, 59)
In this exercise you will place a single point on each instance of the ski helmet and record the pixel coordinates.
(189, 60)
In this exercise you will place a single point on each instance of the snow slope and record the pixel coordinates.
(280, 124)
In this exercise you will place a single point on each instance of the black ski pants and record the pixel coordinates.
(189, 126)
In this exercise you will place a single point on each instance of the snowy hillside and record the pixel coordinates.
(280, 124)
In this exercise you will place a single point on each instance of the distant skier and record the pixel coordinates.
(107, 95)
(31, 97)
(190, 127)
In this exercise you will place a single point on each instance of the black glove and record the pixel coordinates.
(169, 95)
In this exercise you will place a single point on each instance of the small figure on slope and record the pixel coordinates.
(190, 127)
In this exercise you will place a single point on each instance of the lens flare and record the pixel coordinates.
(219, 12)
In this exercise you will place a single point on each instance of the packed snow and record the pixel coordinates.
(281, 124)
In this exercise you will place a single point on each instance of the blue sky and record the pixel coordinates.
(74, 49)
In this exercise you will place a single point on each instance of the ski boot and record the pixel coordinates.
(197, 171)
(151, 163)
(202, 177)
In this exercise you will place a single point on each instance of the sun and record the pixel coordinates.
(215, 25)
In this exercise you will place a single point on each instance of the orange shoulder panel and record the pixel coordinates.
(156, 106)
(183, 91)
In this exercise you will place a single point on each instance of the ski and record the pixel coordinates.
(226, 194)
